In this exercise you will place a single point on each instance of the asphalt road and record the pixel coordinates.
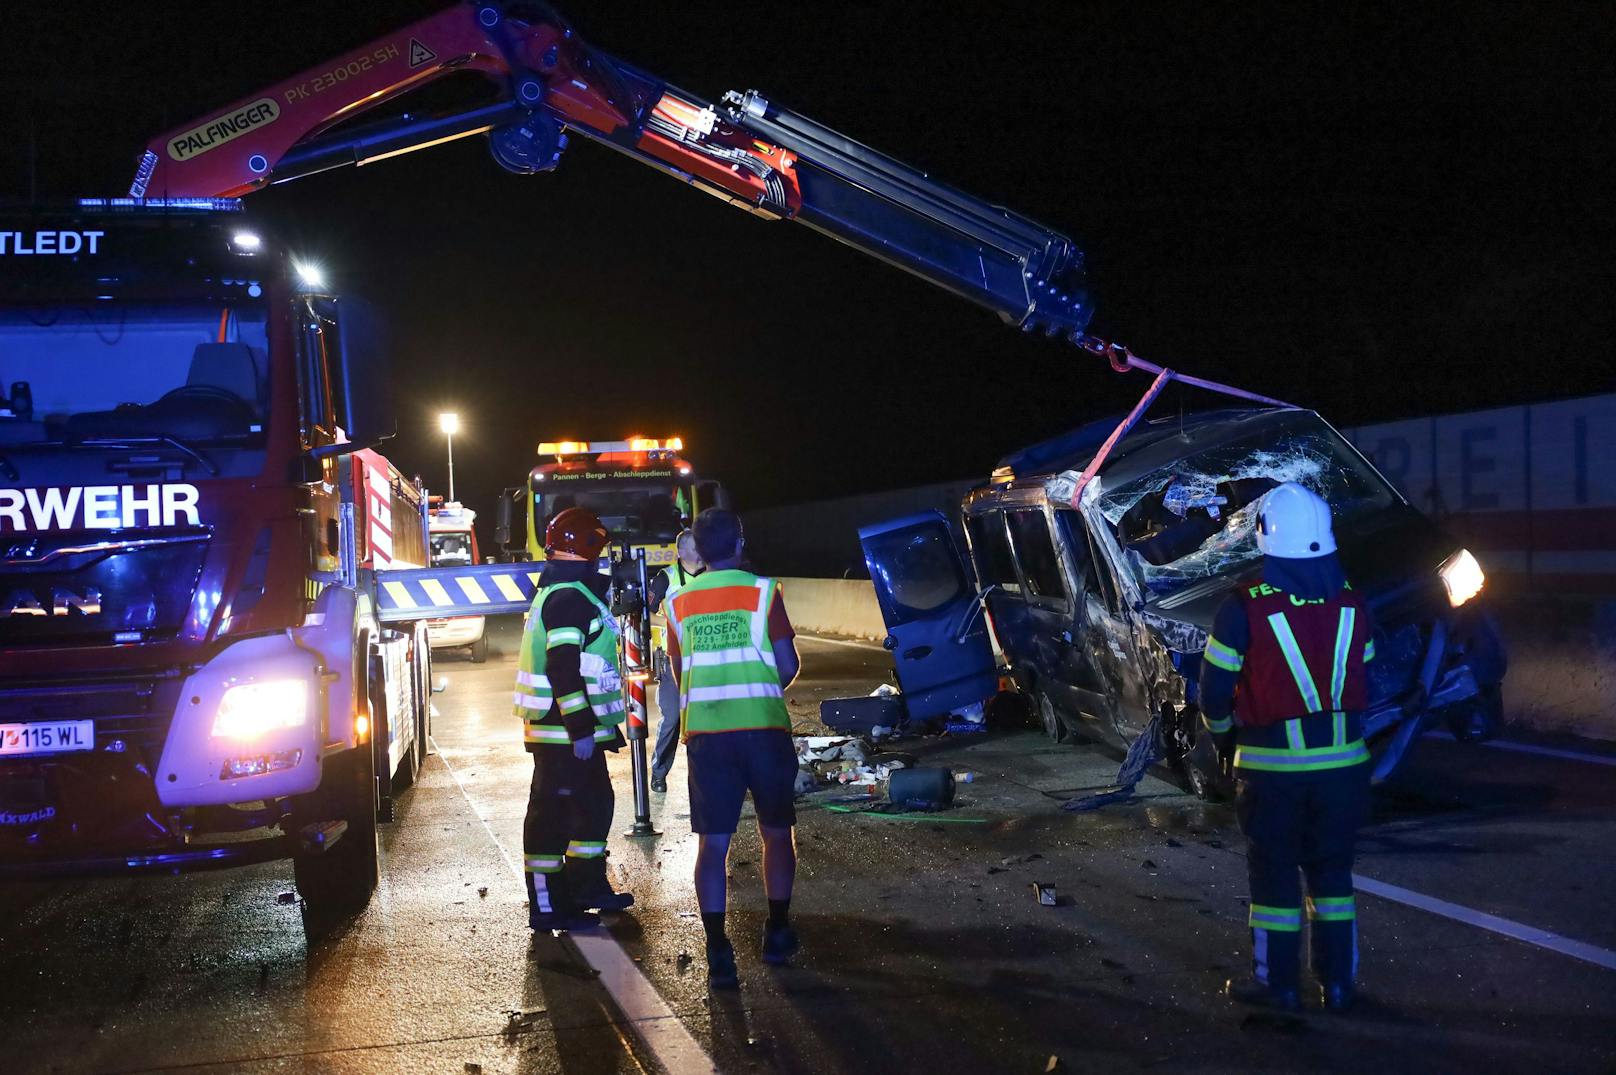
(924, 948)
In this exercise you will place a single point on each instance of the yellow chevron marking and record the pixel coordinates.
(435, 591)
(508, 588)
(533, 577)
(400, 594)
(474, 593)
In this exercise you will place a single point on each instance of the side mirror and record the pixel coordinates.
(360, 374)
(502, 520)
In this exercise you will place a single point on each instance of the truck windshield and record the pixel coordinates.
(1196, 517)
(451, 547)
(193, 371)
(640, 514)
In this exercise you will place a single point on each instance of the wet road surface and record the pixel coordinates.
(924, 948)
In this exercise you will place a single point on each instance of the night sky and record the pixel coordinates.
(1375, 211)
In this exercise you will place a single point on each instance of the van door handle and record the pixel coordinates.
(916, 653)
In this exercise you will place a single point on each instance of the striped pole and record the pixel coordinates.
(636, 670)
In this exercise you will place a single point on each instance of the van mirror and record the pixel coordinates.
(502, 519)
(359, 376)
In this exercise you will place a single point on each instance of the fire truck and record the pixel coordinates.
(643, 489)
(192, 517)
(213, 618)
(451, 527)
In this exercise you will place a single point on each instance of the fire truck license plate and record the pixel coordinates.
(58, 735)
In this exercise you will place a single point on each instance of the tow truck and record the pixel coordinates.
(212, 618)
(643, 489)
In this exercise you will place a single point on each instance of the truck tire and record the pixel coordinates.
(341, 878)
(1054, 727)
(479, 649)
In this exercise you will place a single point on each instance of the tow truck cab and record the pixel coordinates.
(1101, 612)
(643, 489)
(186, 511)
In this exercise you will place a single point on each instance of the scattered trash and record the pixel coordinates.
(1174, 843)
(807, 782)
(1045, 894)
(920, 789)
(683, 962)
(884, 810)
(1111, 964)
(956, 726)
(286, 897)
(1148, 864)
(520, 1022)
(1054, 1062)
(482, 890)
(881, 731)
(975, 713)
(996, 869)
(885, 690)
(1141, 755)
(1016, 860)
(472, 1069)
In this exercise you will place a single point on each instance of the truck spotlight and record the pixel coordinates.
(676, 444)
(1463, 577)
(247, 240)
(249, 710)
(311, 276)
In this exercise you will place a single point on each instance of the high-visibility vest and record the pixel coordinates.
(727, 676)
(678, 578)
(537, 705)
(1303, 681)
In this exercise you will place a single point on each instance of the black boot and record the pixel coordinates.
(550, 905)
(1262, 995)
(592, 887)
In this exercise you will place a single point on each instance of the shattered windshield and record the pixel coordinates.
(1196, 517)
(194, 371)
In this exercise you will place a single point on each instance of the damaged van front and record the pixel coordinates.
(1101, 610)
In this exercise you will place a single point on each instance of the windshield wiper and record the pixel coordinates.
(142, 442)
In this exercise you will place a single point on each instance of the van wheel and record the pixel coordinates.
(1049, 717)
(479, 650)
(341, 878)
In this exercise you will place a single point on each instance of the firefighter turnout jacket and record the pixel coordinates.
(568, 682)
(1298, 667)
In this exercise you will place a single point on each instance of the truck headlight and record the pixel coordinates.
(1463, 577)
(248, 710)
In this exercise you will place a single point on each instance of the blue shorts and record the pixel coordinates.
(724, 766)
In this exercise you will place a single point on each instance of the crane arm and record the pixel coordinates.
(747, 150)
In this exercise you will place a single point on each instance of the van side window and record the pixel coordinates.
(991, 551)
(1069, 528)
(1029, 536)
(1100, 580)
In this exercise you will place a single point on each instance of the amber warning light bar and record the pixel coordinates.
(561, 448)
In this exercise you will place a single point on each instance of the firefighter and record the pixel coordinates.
(569, 692)
(732, 650)
(1283, 685)
(686, 566)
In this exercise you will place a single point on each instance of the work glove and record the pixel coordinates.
(1225, 745)
(583, 749)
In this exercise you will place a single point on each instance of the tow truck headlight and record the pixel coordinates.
(1463, 577)
(249, 710)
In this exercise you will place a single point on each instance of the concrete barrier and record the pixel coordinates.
(1562, 651)
(845, 607)
(1562, 665)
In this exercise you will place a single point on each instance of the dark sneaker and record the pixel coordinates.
(1256, 993)
(607, 900)
(721, 972)
(1337, 998)
(659, 783)
(562, 920)
(779, 943)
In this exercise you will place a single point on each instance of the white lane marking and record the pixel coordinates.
(857, 644)
(1542, 938)
(662, 1033)
(1530, 748)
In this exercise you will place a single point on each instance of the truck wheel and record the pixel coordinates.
(479, 649)
(1049, 717)
(341, 878)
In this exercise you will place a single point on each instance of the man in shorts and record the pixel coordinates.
(733, 653)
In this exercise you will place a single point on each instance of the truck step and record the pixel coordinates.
(318, 836)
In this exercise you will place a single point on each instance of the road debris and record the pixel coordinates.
(1142, 753)
(285, 898)
(1017, 860)
(1044, 894)
(482, 890)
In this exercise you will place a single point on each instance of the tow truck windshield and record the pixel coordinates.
(1196, 517)
(188, 372)
(641, 514)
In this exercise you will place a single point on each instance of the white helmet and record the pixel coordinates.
(1293, 522)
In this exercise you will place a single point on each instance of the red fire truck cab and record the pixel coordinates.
(189, 522)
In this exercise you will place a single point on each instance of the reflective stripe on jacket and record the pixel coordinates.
(535, 702)
(728, 681)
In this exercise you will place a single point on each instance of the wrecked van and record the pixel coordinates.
(1100, 612)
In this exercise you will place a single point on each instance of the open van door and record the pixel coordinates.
(935, 627)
